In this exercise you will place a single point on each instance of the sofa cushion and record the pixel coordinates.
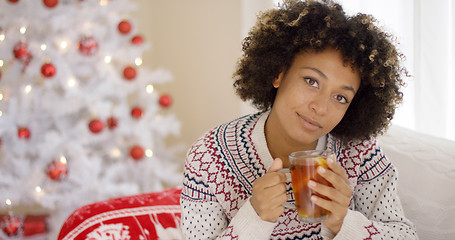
(426, 167)
(145, 216)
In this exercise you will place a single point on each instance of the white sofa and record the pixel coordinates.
(426, 187)
(426, 167)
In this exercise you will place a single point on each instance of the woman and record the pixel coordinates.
(321, 80)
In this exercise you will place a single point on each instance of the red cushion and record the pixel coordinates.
(145, 216)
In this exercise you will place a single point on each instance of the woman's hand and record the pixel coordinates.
(269, 193)
(340, 194)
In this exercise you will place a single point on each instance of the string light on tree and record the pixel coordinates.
(107, 59)
(72, 82)
(104, 2)
(63, 45)
(23, 30)
(27, 89)
(149, 88)
(138, 61)
(115, 153)
(149, 153)
(39, 192)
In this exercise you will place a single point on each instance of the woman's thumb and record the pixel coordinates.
(276, 165)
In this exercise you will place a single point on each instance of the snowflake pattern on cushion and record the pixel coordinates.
(146, 216)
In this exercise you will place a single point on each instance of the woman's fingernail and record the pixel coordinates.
(311, 183)
(314, 198)
(330, 161)
(321, 170)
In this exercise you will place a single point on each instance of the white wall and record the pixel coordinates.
(199, 42)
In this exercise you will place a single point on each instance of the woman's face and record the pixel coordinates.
(313, 96)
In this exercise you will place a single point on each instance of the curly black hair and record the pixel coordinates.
(297, 26)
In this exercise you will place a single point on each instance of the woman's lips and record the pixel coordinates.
(308, 123)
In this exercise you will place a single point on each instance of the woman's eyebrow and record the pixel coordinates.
(349, 88)
(316, 70)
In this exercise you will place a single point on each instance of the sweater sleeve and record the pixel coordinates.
(203, 216)
(206, 220)
(377, 212)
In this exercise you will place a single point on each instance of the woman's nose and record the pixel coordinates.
(320, 104)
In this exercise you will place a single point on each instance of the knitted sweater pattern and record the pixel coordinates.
(222, 165)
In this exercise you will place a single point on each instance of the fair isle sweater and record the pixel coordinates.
(222, 165)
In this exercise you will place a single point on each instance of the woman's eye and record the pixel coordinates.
(312, 82)
(341, 99)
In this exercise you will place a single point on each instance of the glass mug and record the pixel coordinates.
(302, 166)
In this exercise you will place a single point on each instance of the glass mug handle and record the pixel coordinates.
(287, 205)
(285, 170)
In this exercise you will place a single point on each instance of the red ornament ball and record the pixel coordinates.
(137, 40)
(50, 3)
(20, 49)
(124, 27)
(13, 1)
(21, 52)
(137, 152)
(165, 100)
(129, 73)
(87, 46)
(112, 123)
(96, 126)
(136, 112)
(11, 225)
(57, 170)
(48, 70)
(23, 133)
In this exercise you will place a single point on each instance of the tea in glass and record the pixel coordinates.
(303, 165)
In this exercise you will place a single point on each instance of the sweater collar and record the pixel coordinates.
(258, 136)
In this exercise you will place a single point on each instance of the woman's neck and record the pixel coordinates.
(280, 145)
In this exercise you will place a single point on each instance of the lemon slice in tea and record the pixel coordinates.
(321, 162)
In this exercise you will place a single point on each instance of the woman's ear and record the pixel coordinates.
(277, 81)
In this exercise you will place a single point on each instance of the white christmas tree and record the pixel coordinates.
(80, 119)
